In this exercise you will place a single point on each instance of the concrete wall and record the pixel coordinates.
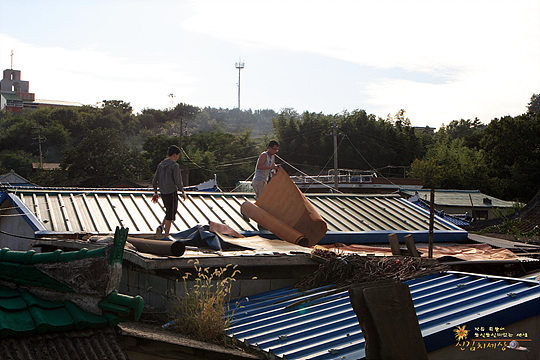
(158, 290)
(13, 77)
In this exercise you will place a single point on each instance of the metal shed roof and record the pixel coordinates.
(320, 324)
(99, 211)
(14, 179)
(463, 198)
(11, 96)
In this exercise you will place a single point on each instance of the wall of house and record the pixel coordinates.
(15, 233)
(158, 290)
(481, 213)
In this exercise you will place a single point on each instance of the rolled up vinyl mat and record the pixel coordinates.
(274, 225)
(158, 247)
(283, 200)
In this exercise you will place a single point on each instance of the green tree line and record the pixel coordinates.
(98, 145)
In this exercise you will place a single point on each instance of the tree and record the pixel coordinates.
(534, 104)
(56, 139)
(102, 157)
(399, 119)
(228, 155)
(468, 130)
(17, 160)
(121, 105)
(449, 164)
(184, 113)
(16, 133)
(513, 155)
(155, 148)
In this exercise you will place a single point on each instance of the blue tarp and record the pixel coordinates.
(199, 236)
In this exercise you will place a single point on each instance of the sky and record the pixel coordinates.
(439, 60)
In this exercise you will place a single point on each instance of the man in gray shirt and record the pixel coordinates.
(169, 180)
(265, 164)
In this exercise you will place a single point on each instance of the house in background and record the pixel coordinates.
(14, 91)
(45, 166)
(14, 179)
(354, 181)
(475, 204)
(15, 94)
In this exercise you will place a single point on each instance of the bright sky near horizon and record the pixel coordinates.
(440, 60)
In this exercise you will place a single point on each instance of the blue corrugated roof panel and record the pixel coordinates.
(452, 219)
(321, 324)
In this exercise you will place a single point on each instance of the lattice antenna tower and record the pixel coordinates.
(239, 66)
(171, 102)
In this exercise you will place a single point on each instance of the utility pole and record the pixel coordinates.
(11, 60)
(40, 140)
(336, 175)
(431, 222)
(239, 66)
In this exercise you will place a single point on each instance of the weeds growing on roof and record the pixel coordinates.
(200, 313)
(515, 228)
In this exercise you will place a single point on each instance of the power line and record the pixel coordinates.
(17, 236)
(303, 173)
(371, 166)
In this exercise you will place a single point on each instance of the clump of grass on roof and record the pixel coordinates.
(517, 229)
(200, 313)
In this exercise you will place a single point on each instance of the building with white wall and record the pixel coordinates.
(15, 94)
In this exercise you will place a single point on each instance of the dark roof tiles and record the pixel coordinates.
(89, 344)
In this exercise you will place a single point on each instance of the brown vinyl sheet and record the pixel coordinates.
(223, 229)
(286, 212)
(470, 252)
(274, 225)
(259, 244)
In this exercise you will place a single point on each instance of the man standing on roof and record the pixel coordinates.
(169, 180)
(265, 164)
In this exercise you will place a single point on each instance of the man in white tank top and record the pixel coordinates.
(265, 164)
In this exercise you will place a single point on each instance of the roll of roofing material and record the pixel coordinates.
(274, 225)
(283, 200)
(158, 247)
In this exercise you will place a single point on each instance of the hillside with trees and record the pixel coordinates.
(99, 145)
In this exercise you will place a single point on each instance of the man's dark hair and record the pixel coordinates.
(273, 143)
(173, 150)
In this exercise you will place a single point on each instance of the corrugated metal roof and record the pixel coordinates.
(100, 211)
(11, 96)
(445, 197)
(56, 102)
(14, 179)
(454, 220)
(320, 324)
